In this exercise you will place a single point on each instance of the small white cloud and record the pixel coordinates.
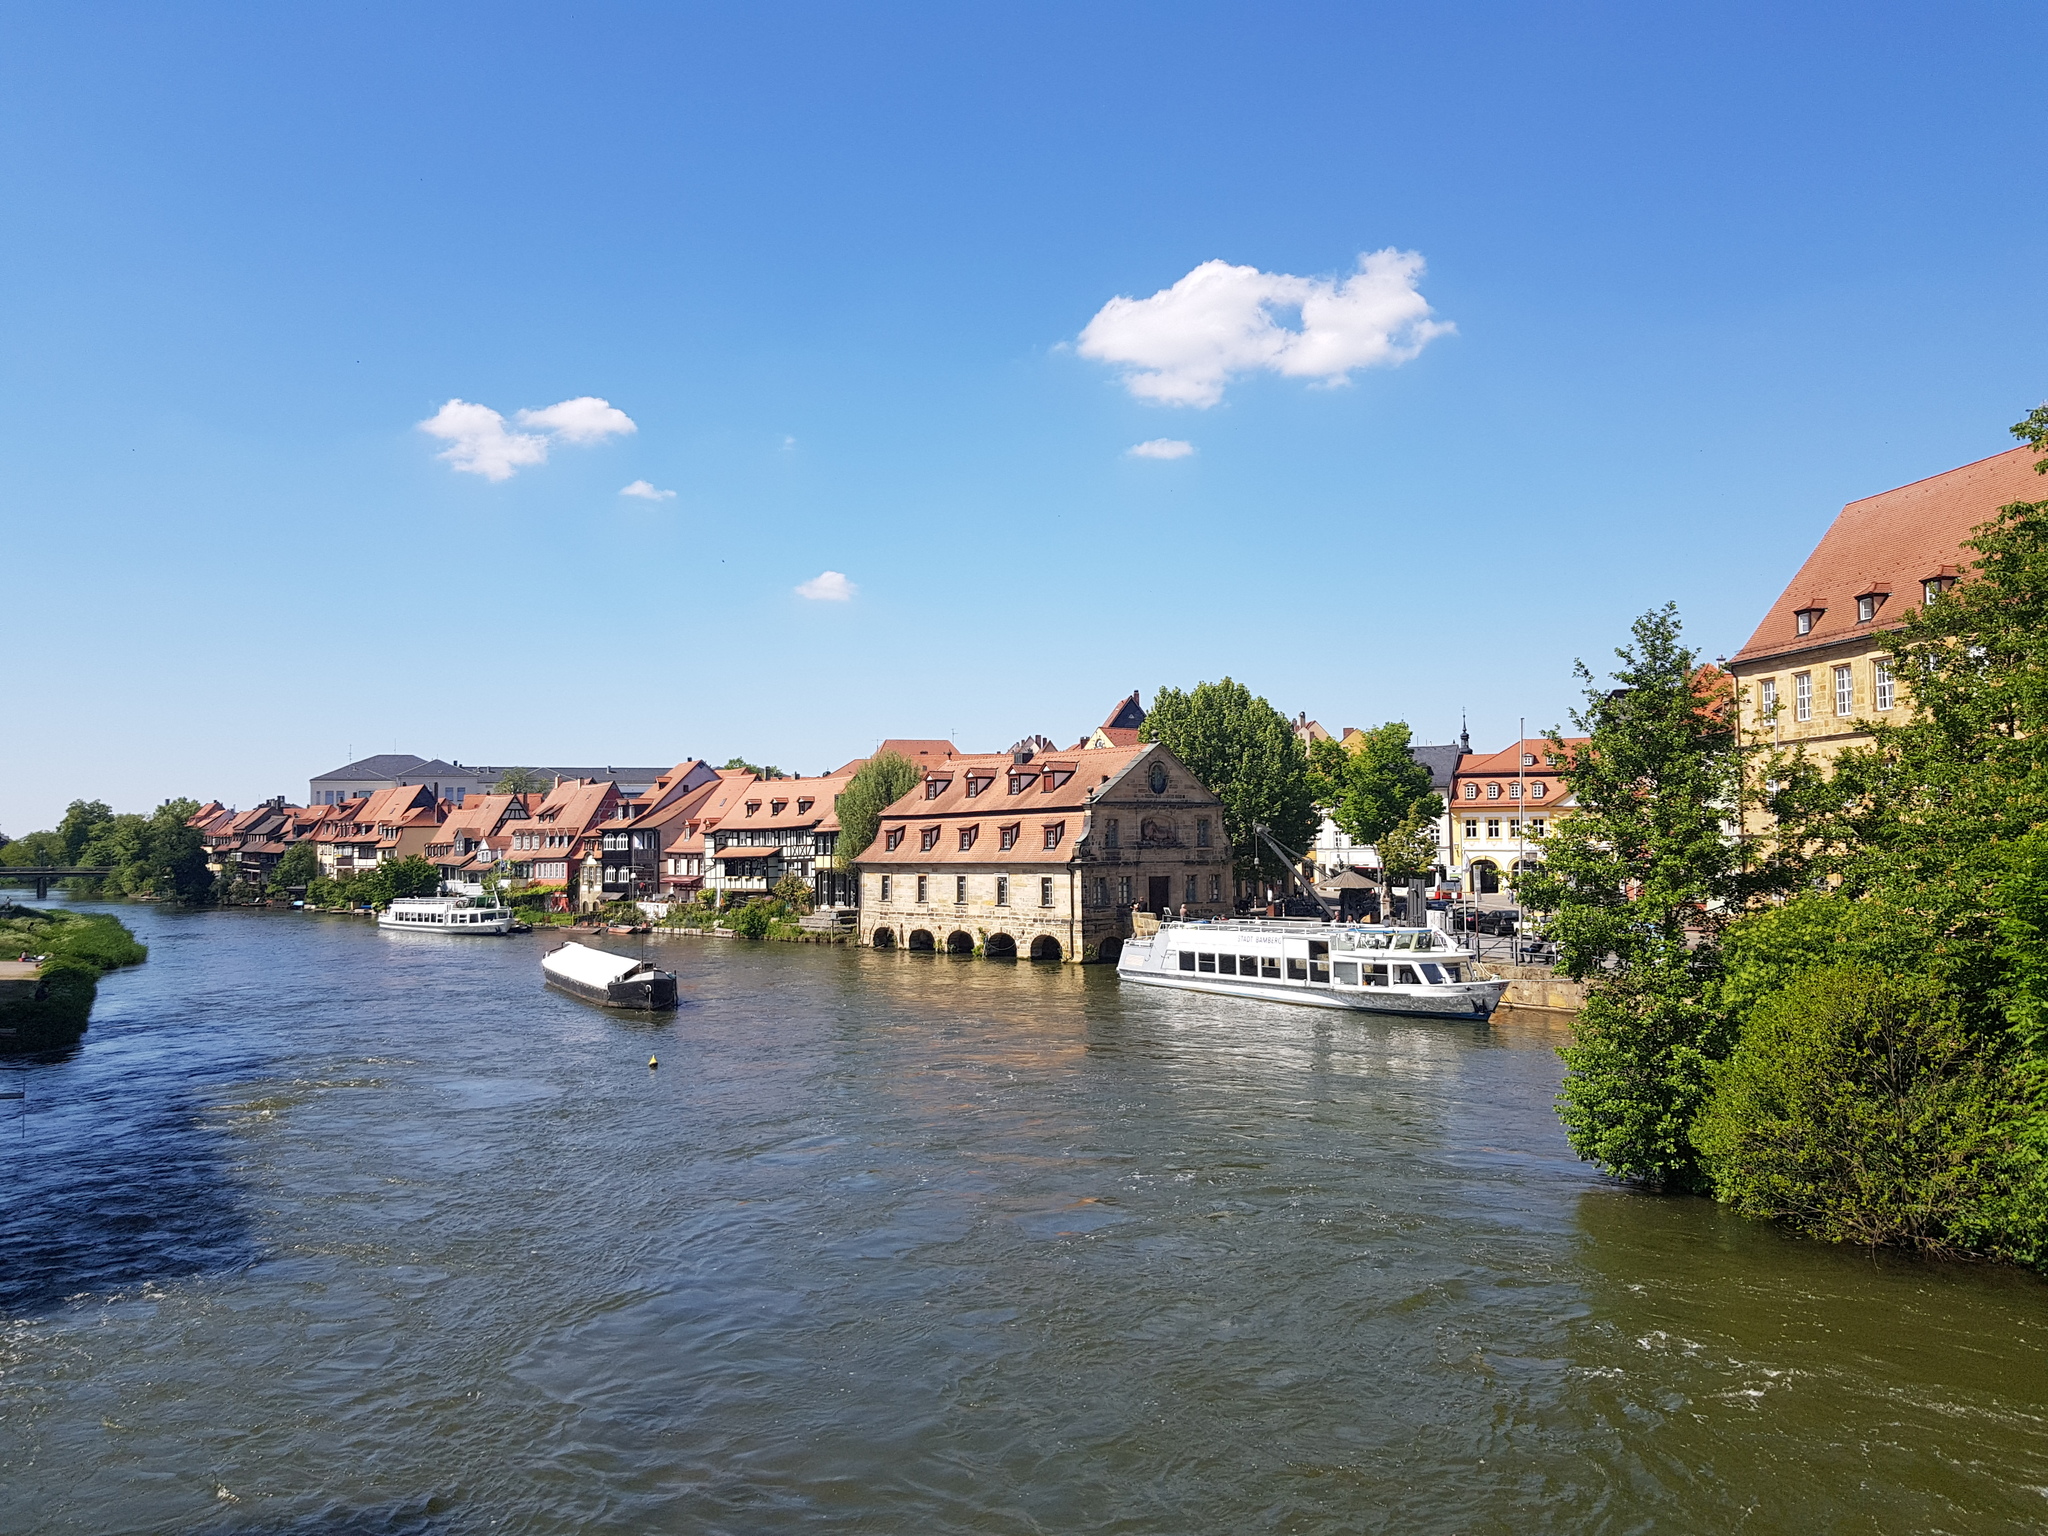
(586, 419)
(789, 445)
(827, 587)
(478, 443)
(646, 492)
(1185, 343)
(1161, 448)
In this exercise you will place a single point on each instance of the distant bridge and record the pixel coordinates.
(45, 875)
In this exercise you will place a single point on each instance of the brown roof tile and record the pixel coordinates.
(1889, 544)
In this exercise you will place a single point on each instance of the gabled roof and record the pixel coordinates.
(804, 803)
(576, 805)
(1030, 809)
(1886, 546)
(391, 765)
(1507, 762)
(1129, 715)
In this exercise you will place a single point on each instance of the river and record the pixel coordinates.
(327, 1230)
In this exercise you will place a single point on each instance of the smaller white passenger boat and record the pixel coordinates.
(609, 980)
(445, 914)
(1366, 968)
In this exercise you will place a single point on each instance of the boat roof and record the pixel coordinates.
(593, 967)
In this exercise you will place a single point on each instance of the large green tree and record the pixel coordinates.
(880, 782)
(1373, 787)
(1245, 753)
(520, 781)
(82, 818)
(1637, 884)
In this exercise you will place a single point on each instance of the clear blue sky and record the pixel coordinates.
(1711, 273)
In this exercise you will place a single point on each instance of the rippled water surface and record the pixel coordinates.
(323, 1229)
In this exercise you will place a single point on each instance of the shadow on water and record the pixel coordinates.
(110, 1192)
(113, 1180)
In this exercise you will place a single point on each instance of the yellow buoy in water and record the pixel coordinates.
(652, 1062)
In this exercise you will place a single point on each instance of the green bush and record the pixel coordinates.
(751, 921)
(1858, 1107)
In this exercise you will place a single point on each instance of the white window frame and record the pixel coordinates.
(1883, 691)
(1845, 692)
(1802, 695)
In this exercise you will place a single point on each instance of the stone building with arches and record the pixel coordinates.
(1044, 855)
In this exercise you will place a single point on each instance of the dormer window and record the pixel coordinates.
(1008, 835)
(893, 839)
(753, 806)
(1019, 782)
(1866, 608)
(967, 837)
(977, 782)
(936, 786)
(1934, 586)
(1528, 759)
(803, 806)
(777, 807)
(1804, 619)
(928, 839)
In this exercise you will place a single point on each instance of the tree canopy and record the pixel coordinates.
(880, 782)
(1245, 753)
(520, 781)
(1374, 787)
(741, 765)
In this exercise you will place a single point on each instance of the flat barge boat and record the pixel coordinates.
(609, 980)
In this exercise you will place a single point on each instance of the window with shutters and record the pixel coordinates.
(928, 839)
(893, 839)
(1007, 836)
(967, 837)
(1054, 831)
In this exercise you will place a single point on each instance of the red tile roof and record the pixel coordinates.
(1030, 809)
(1887, 545)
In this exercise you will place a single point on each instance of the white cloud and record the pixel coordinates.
(1161, 448)
(827, 587)
(646, 492)
(479, 443)
(586, 419)
(1185, 343)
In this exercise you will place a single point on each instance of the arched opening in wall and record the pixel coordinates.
(1046, 947)
(1486, 877)
(919, 942)
(1109, 948)
(999, 946)
(1523, 866)
(958, 943)
(885, 938)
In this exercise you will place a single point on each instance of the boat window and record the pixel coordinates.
(1346, 972)
(1454, 972)
(1375, 975)
(1269, 967)
(1187, 959)
(1226, 965)
(1404, 941)
(1247, 965)
(1433, 974)
(1376, 941)
(1205, 963)
(1404, 975)
(1297, 969)
(1318, 960)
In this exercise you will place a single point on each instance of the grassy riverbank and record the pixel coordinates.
(47, 1001)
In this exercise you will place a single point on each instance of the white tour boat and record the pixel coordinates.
(1325, 965)
(446, 914)
(609, 980)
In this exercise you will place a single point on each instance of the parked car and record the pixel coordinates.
(1498, 921)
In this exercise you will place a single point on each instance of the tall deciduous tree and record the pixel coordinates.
(519, 781)
(880, 782)
(1638, 883)
(1245, 753)
(1370, 789)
